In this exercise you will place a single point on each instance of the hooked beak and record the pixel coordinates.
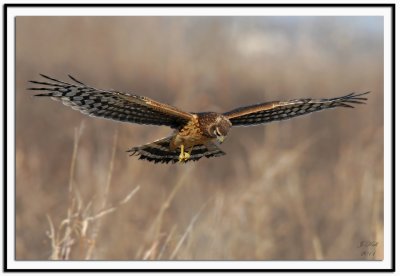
(221, 139)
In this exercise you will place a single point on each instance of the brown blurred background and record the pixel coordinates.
(303, 189)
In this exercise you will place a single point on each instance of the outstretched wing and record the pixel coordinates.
(112, 104)
(280, 110)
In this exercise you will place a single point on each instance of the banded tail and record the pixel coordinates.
(159, 151)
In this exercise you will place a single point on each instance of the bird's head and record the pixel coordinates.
(220, 128)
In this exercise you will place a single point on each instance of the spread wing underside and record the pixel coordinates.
(111, 104)
(160, 152)
(281, 110)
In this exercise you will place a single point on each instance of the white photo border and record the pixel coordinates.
(10, 11)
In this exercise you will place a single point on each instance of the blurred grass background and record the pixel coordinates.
(304, 189)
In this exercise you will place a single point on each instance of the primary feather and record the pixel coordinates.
(111, 104)
(281, 110)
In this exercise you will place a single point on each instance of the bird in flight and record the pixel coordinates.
(194, 134)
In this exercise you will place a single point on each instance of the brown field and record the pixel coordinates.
(310, 188)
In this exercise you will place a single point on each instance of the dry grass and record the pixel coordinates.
(76, 235)
(305, 189)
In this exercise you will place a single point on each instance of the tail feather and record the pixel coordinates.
(160, 152)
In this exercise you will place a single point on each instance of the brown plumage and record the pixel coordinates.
(194, 134)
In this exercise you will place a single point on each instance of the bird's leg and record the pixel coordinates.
(184, 156)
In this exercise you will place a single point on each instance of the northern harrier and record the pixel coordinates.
(194, 134)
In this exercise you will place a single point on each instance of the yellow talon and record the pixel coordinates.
(184, 156)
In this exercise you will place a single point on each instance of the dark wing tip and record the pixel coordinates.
(75, 80)
(43, 95)
(363, 93)
(358, 96)
(132, 151)
(352, 98)
(50, 78)
(44, 76)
